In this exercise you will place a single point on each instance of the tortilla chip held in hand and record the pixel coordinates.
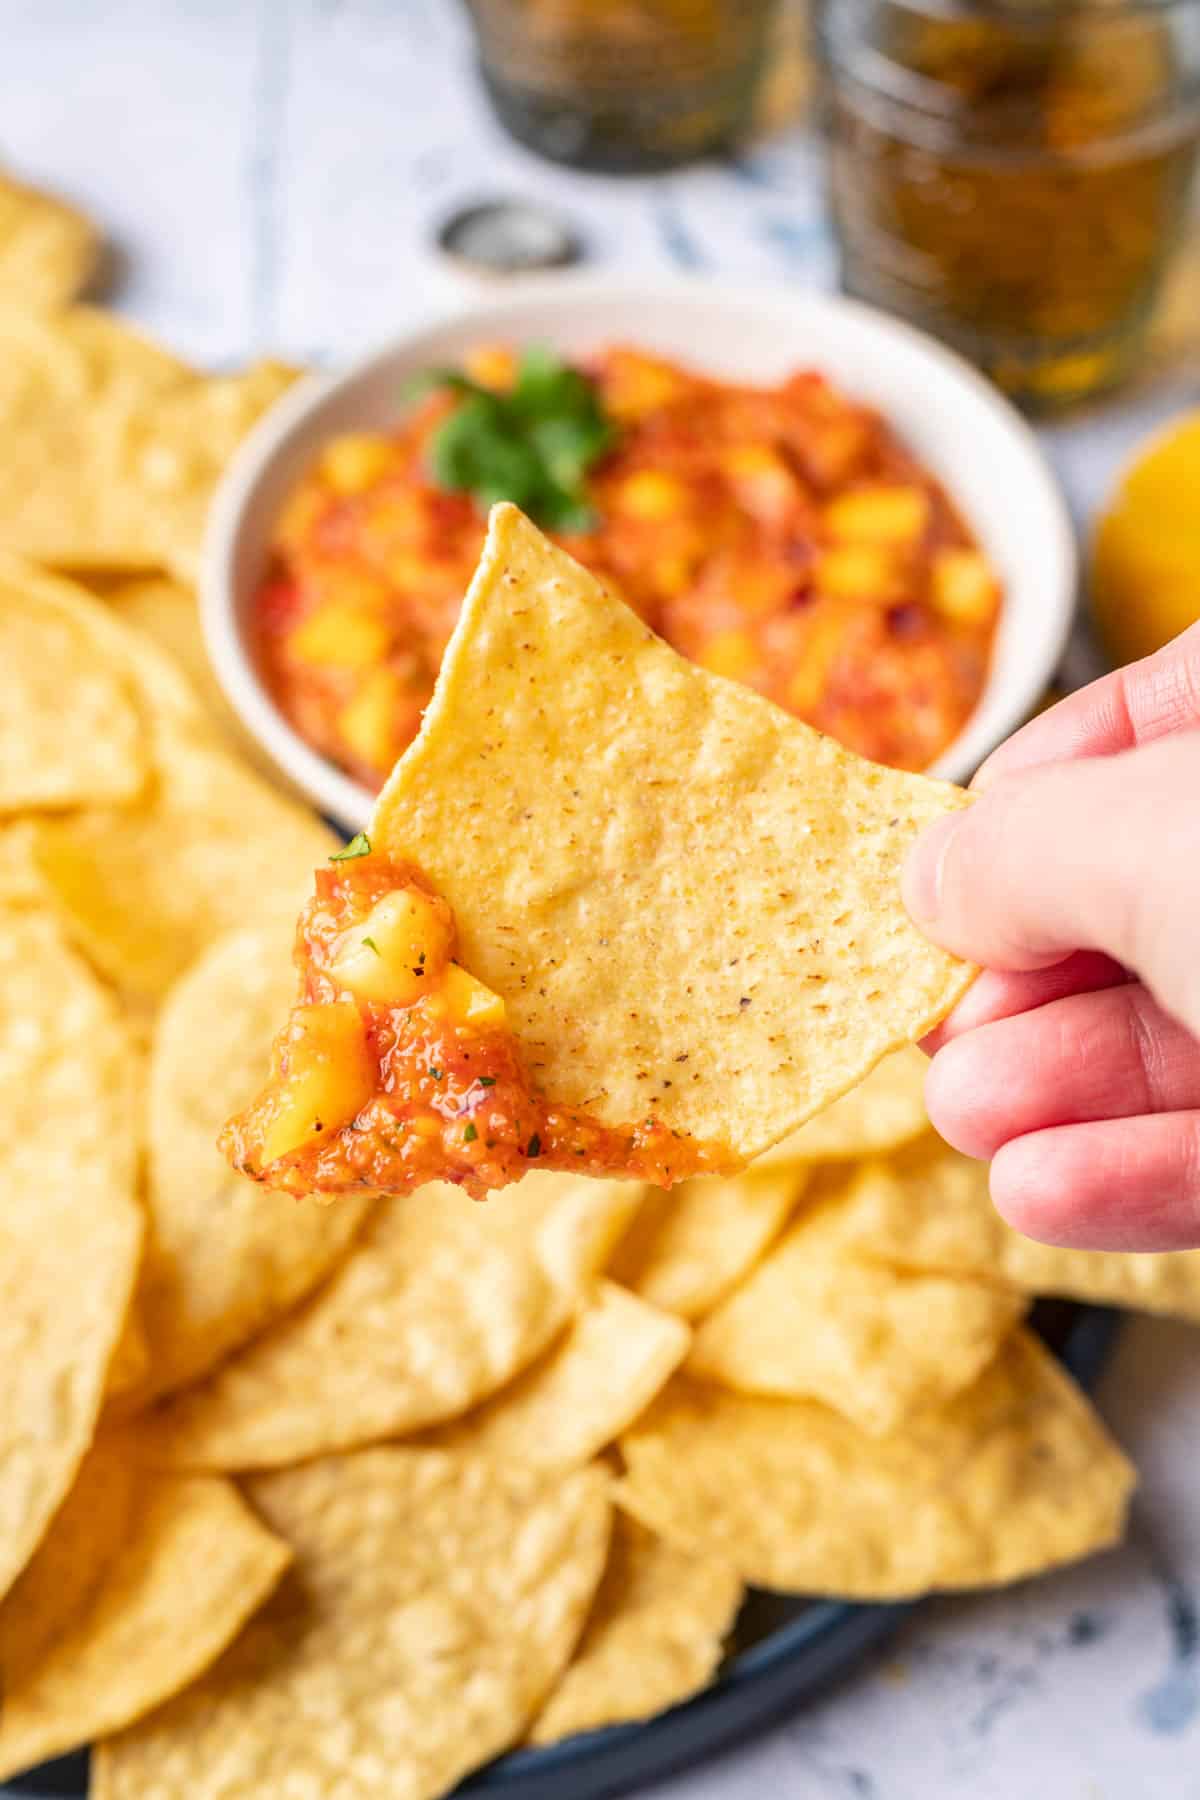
(612, 914)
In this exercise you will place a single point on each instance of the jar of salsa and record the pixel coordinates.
(1013, 175)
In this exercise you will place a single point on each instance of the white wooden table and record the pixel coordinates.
(271, 171)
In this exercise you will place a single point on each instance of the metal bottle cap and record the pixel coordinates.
(508, 237)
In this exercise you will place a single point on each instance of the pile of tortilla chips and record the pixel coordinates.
(301, 1499)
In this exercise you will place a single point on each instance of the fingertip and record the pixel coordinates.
(959, 1099)
(921, 880)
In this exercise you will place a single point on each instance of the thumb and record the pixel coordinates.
(1100, 854)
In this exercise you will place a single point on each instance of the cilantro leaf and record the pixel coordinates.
(359, 845)
(533, 445)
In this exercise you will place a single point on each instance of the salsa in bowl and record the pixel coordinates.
(737, 469)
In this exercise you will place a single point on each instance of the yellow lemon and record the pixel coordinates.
(1145, 566)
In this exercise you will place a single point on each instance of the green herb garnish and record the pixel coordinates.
(533, 445)
(359, 845)
(534, 1146)
(487, 1081)
(470, 1134)
(372, 945)
(436, 1073)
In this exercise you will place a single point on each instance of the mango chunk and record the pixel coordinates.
(964, 588)
(399, 951)
(371, 723)
(650, 495)
(341, 635)
(879, 515)
(326, 1076)
(729, 653)
(355, 462)
(467, 1001)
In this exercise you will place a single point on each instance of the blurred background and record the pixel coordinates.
(305, 177)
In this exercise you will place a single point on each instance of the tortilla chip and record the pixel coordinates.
(69, 384)
(145, 889)
(175, 1590)
(130, 1365)
(654, 1636)
(687, 1246)
(70, 1230)
(583, 1393)
(63, 663)
(174, 453)
(578, 1221)
(816, 1322)
(434, 1603)
(83, 1539)
(48, 251)
(1015, 1475)
(929, 1208)
(167, 612)
(21, 883)
(688, 900)
(224, 1257)
(434, 1310)
(885, 1110)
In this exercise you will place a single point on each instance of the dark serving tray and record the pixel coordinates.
(785, 1650)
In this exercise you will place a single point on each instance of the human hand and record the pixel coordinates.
(1074, 1060)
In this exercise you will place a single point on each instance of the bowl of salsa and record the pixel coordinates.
(797, 493)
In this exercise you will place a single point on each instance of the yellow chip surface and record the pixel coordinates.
(224, 1257)
(929, 1208)
(71, 732)
(191, 1565)
(68, 1566)
(654, 1636)
(48, 250)
(583, 1392)
(435, 1308)
(167, 612)
(1012, 1476)
(173, 453)
(688, 1245)
(688, 900)
(886, 1109)
(70, 1229)
(434, 1603)
(69, 384)
(815, 1321)
(145, 889)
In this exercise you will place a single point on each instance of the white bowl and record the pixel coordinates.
(954, 420)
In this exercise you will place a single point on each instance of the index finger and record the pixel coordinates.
(1132, 706)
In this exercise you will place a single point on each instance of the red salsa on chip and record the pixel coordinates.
(398, 1067)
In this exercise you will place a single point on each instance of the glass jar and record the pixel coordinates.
(1013, 176)
(622, 85)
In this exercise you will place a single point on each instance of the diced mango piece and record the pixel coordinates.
(636, 384)
(398, 952)
(964, 587)
(326, 1076)
(729, 653)
(369, 722)
(879, 515)
(492, 366)
(466, 1001)
(858, 572)
(302, 511)
(650, 495)
(356, 461)
(341, 634)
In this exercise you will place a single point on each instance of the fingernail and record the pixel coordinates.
(922, 881)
